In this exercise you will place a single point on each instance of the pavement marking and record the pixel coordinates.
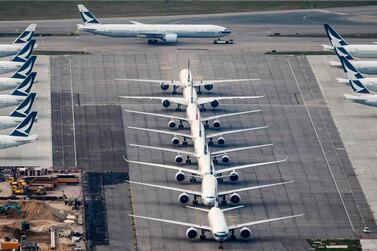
(73, 113)
(320, 144)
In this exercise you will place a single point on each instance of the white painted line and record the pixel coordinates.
(73, 113)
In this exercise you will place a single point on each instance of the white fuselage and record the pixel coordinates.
(365, 99)
(362, 50)
(9, 66)
(9, 83)
(369, 83)
(9, 122)
(218, 225)
(7, 141)
(7, 50)
(143, 30)
(10, 100)
(367, 67)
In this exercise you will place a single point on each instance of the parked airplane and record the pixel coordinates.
(356, 50)
(17, 95)
(12, 49)
(353, 74)
(11, 83)
(19, 60)
(168, 33)
(217, 224)
(25, 69)
(185, 78)
(367, 67)
(20, 135)
(363, 94)
(18, 114)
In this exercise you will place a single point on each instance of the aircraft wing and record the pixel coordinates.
(211, 135)
(177, 100)
(251, 188)
(221, 81)
(153, 81)
(229, 169)
(207, 228)
(164, 149)
(176, 168)
(158, 115)
(217, 153)
(236, 226)
(229, 115)
(167, 188)
(202, 100)
(161, 131)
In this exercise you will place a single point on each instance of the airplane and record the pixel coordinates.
(18, 114)
(209, 192)
(367, 67)
(7, 50)
(20, 135)
(12, 82)
(356, 50)
(217, 224)
(18, 94)
(185, 78)
(363, 94)
(353, 74)
(19, 60)
(168, 33)
(24, 70)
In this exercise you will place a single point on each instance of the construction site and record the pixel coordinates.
(41, 210)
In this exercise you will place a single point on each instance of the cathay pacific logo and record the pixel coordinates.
(24, 88)
(341, 52)
(26, 36)
(351, 69)
(358, 87)
(23, 109)
(25, 69)
(88, 17)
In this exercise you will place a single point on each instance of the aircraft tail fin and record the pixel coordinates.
(335, 39)
(87, 16)
(24, 127)
(26, 35)
(24, 54)
(23, 89)
(25, 69)
(358, 87)
(352, 72)
(23, 109)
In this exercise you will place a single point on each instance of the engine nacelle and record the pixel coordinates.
(215, 103)
(178, 158)
(175, 141)
(245, 233)
(179, 176)
(191, 233)
(235, 198)
(216, 124)
(184, 198)
(233, 176)
(221, 141)
(170, 38)
(164, 86)
(165, 103)
(208, 87)
(172, 124)
(225, 158)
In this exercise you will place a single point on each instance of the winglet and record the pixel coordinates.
(23, 109)
(24, 54)
(335, 39)
(26, 35)
(87, 16)
(24, 127)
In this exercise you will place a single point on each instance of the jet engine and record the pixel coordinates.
(184, 198)
(225, 158)
(235, 198)
(245, 233)
(178, 158)
(215, 103)
(191, 233)
(180, 176)
(164, 86)
(233, 176)
(221, 141)
(208, 87)
(175, 141)
(170, 38)
(216, 123)
(172, 124)
(165, 103)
